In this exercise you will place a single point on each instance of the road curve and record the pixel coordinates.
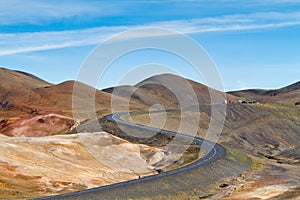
(128, 189)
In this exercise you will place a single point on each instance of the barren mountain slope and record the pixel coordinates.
(16, 87)
(154, 90)
(260, 130)
(28, 101)
(33, 167)
(271, 133)
(289, 95)
(60, 98)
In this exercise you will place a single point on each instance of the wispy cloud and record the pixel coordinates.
(40, 11)
(29, 42)
(234, 22)
(38, 41)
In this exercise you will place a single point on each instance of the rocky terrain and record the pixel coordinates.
(271, 134)
(37, 126)
(40, 166)
(43, 154)
(40, 158)
(289, 95)
(29, 101)
(155, 90)
(269, 131)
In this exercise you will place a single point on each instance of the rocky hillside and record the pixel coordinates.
(155, 90)
(35, 167)
(289, 95)
(36, 115)
(271, 131)
(29, 101)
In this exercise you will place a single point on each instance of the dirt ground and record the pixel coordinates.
(275, 181)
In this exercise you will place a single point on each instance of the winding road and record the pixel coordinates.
(183, 178)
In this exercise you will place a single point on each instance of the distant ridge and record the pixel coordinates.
(22, 90)
(154, 90)
(30, 75)
(286, 95)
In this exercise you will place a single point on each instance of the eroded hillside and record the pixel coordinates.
(41, 158)
(33, 167)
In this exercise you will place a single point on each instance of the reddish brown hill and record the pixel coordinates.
(16, 87)
(13, 80)
(60, 97)
(161, 89)
(25, 97)
(286, 95)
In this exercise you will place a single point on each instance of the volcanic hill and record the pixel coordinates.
(36, 122)
(289, 95)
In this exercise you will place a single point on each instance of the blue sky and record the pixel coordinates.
(254, 43)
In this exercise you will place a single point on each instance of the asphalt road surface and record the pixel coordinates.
(170, 182)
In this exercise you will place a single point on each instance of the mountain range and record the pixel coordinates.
(24, 95)
(33, 108)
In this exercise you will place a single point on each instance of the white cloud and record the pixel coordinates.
(234, 22)
(39, 11)
(28, 42)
